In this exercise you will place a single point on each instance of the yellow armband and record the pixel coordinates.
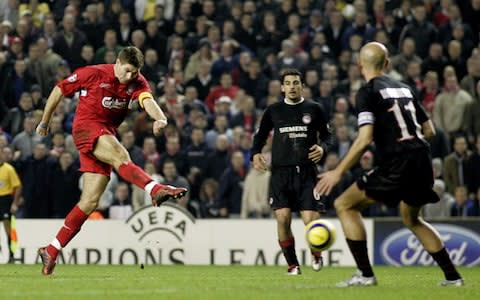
(143, 96)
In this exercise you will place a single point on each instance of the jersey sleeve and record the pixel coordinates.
(364, 104)
(261, 136)
(141, 90)
(326, 137)
(14, 179)
(78, 80)
(422, 116)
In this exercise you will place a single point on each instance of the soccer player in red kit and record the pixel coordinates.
(106, 93)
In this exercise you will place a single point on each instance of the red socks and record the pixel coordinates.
(73, 223)
(136, 175)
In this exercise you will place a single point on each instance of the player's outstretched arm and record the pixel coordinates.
(53, 99)
(156, 113)
(329, 179)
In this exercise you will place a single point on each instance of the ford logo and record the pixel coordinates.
(403, 248)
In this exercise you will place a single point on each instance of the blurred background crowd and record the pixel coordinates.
(213, 67)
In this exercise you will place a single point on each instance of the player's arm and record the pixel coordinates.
(154, 111)
(259, 141)
(17, 199)
(363, 140)
(329, 179)
(318, 151)
(53, 99)
(428, 130)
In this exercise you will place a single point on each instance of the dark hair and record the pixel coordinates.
(131, 55)
(289, 72)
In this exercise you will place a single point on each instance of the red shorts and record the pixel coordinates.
(85, 138)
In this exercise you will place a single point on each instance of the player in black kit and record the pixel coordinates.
(297, 126)
(389, 115)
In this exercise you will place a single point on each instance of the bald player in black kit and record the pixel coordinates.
(389, 115)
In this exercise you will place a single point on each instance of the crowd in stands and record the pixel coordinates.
(214, 66)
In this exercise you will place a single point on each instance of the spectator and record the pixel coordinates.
(226, 88)
(430, 90)
(149, 151)
(152, 70)
(268, 38)
(204, 54)
(65, 192)
(456, 164)
(13, 122)
(435, 61)
(455, 59)
(420, 30)
(93, 25)
(463, 206)
(406, 55)
(171, 177)
(231, 186)
(450, 107)
(157, 41)
(136, 154)
(25, 141)
(469, 82)
(121, 207)
(124, 29)
(68, 42)
(217, 159)
(172, 152)
(442, 208)
(274, 94)
(36, 176)
(334, 31)
(49, 62)
(413, 77)
(207, 200)
(226, 62)
(110, 42)
(16, 82)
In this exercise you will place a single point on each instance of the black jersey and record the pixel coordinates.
(394, 111)
(296, 128)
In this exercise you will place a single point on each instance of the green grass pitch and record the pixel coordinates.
(229, 282)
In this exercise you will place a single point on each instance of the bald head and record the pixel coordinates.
(373, 56)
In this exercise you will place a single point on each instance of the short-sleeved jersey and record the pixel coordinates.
(103, 98)
(9, 180)
(296, 128)
(394, 111)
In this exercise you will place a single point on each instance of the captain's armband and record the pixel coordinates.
(143, 96)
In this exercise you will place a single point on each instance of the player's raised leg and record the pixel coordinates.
(93, 187)
(431, 241)
(286, 239)
(317, 259)
(348, 206)
(109, 150)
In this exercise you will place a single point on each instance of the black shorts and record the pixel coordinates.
(292, 187)
(407, 177)
(5, 204)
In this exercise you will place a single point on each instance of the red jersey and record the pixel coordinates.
(103, 99)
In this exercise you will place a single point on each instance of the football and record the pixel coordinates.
(320, 234)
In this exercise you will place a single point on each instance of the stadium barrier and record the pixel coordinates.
(396, 245)
(170, 235)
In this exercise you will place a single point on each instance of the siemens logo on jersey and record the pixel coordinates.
(114, 103)
(292, 129)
